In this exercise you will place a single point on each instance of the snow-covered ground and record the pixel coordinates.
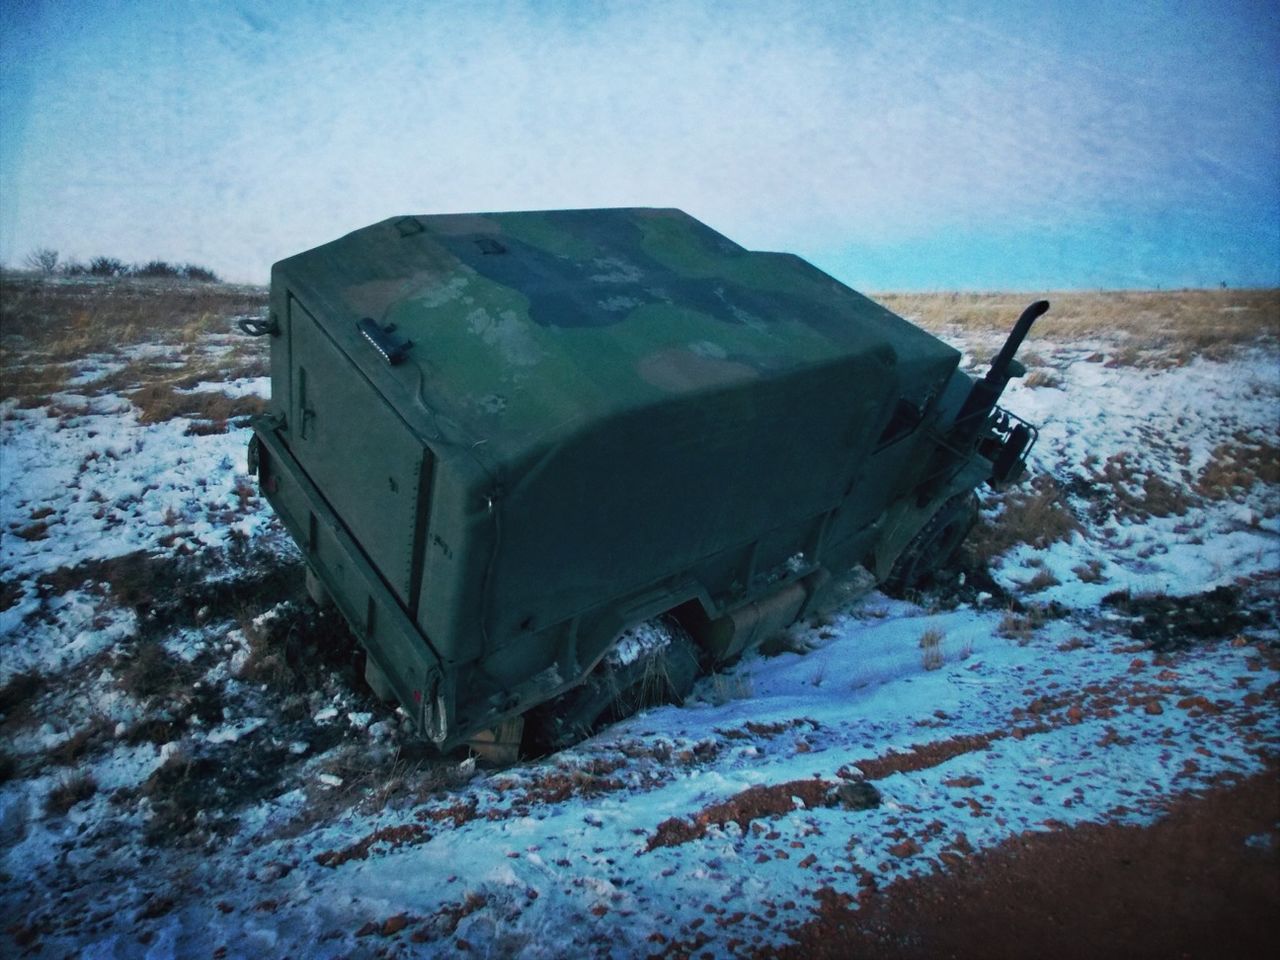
(224, 808)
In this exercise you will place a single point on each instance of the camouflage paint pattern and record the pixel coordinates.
(603, 415)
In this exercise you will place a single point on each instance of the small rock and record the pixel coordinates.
(367, 929)
(1153, 707)
(858, 795)
(169, 751)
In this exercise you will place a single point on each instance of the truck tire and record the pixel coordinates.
(615, 692)
(931, 548)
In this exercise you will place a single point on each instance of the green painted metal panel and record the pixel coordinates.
(357, 450)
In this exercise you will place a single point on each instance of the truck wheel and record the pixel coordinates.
(934, 545)
(616, 691)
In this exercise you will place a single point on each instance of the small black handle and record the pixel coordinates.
(384, 340)
(258, 327)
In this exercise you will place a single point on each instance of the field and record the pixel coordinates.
(1073, 739)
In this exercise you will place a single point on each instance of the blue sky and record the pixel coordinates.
(899, 145)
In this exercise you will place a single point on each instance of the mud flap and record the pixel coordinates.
(499, 745)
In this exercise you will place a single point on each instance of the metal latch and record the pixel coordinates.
(384, 340)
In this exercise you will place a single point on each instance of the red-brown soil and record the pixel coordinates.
(1188, 886)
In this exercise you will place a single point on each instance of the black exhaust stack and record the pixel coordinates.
(986, 392)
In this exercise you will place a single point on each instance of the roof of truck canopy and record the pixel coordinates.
(527, 325)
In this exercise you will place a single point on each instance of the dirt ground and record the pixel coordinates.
(1202, 882)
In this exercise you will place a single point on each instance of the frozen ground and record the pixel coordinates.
(193, 769)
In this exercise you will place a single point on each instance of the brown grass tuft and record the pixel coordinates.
(1043, 378)
(1237, 466)
(1043, 579)
(161, 401)
(1022, 626)
(152, 670)
(931, 648)
(1037, 515)
(73, 749)
(1090, 572)
(1140, 496)
(71, 788)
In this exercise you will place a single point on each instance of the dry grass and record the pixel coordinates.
(71, 788)
(1037, 515)
(1043, 579)
(1090, 572)
(19, 693)
(73, 749)
(68, 320)
(161, 401)
(1236, 466)
(1021, 625)
(931, 649)
(1043, 378)
(729, 686)
(152, 670)
(1139, 496)
(50, 326)
(1160, 326)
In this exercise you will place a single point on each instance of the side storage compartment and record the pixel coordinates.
(414, 671)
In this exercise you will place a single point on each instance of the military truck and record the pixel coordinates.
(547, 464)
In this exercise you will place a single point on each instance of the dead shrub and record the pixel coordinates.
(71, 788)
(157, 268)
(107, 267)
(42, 260)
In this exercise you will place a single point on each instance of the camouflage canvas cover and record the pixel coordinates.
(537, 428)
